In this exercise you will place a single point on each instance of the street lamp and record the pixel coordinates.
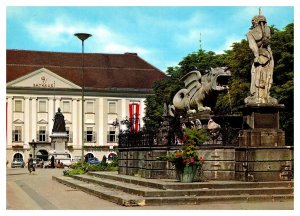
(82, 37)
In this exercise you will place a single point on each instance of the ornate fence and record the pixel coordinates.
(224, 137)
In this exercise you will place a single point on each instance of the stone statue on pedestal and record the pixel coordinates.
(59, 122)
(262, 68)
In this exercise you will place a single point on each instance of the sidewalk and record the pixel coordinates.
(40, 192)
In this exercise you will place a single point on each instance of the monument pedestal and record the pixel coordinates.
(59, 142)
(262, 154)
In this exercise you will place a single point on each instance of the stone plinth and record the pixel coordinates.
(261, 125)
(261, 115)
(59, 141)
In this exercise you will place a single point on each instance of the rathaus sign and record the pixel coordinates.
(44, 83)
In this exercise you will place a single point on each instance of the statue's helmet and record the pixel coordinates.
(259, 18)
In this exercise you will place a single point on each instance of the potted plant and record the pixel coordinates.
(186, 160)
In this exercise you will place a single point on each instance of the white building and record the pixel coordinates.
(38, 83)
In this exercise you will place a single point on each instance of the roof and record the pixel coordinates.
(101, 71)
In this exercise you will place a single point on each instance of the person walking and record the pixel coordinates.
(30, 164)
(52, 162)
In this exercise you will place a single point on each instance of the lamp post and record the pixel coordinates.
(82, 37)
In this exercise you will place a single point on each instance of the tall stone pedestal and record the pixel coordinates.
(262, 154)
(261, 126)
(59, 141)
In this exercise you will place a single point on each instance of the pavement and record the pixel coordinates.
(40, 192)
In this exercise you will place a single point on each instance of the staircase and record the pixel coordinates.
(135, 191)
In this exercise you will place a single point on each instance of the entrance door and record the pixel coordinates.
(42, 154)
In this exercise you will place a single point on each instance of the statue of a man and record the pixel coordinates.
(262, 68)
(59, 122)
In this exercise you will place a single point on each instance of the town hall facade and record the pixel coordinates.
(38, 83)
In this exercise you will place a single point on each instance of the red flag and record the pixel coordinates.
(136, 124)
(130, 114)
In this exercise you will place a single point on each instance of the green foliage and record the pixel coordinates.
(195, 135)
(80, 168)
(76, 171)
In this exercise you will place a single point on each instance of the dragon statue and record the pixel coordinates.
(200, 91)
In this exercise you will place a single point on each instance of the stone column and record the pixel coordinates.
(27, 122)
(9, 113)
(80, 123)
(57, 103)
(123, 112)
(33, 118)
(51, 112)
(75, 117)
(101, 126)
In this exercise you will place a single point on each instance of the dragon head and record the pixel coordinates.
(219, 78)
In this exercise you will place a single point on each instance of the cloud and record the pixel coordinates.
(53, 35)
(61, 31)
(227, 44)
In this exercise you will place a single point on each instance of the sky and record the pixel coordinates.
(160, 35)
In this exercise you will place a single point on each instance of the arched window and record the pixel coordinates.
(90, 155)
(18, 156)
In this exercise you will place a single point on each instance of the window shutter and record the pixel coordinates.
(85, 136)
(13, 135)
(94, 136)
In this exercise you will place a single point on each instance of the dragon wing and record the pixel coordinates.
(192, 82)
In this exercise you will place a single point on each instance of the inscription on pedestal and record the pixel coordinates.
(265, 120)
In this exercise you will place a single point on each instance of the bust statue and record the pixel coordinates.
(59, 122)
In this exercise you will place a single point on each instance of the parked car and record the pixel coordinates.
(17, 162)
(93, 161)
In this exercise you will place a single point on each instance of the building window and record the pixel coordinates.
(42, 106)
(90, 135)
(18, 106)
(66, 106)
(112, 136)
(89, 107)
(17, 134)
(112, 107)
(69, 134)
(42, 134)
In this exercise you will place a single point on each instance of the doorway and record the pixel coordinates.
(42, 154)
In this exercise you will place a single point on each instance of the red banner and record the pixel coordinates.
(134, 113)
(137, 113)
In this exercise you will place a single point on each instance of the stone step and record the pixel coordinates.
(198, 200)
(172, 184)
(151, 192)
(126, 199)
(105, 193)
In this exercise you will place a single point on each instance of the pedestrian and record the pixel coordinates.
(52, 162)
(30, 164)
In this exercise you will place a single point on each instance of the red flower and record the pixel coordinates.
(192, 160)
(178, 154)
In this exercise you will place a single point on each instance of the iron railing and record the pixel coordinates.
(223, 137)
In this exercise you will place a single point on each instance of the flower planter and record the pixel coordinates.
(186, 172)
